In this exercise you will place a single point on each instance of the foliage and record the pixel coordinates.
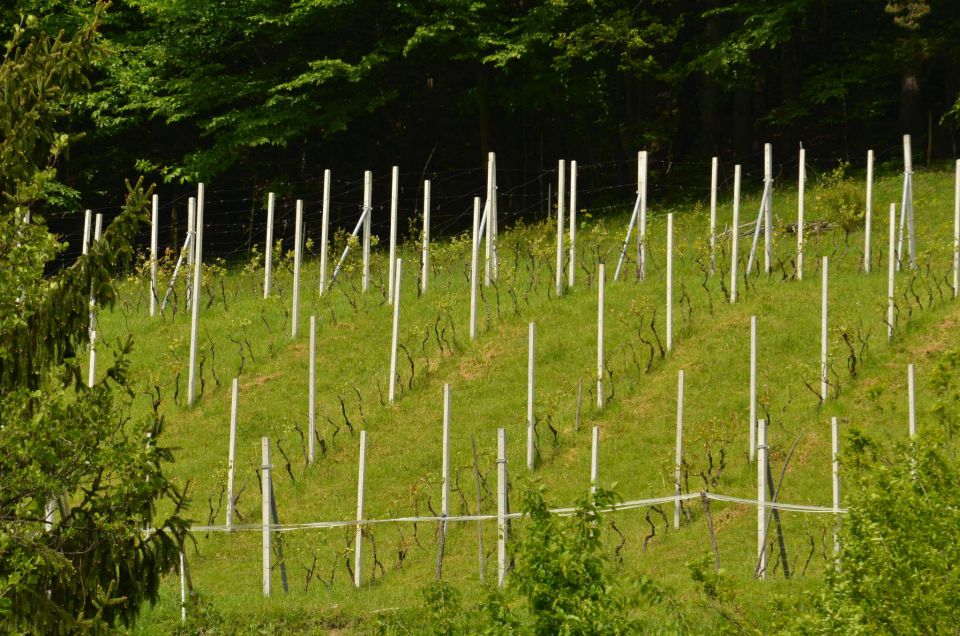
(838, 198)
(81, 547)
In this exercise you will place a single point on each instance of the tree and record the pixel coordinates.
(81, 543)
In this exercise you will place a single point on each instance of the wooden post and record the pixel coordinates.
(801, 186)
(714, 165)
(594, 459)
(474, 268)
(476, 481)
(678, 459)
(912, 400)
(358, 540)
(191, 245)
(891, 270)
(445, 461)
(266, 493)
(367, 213)
(312, 406)
(324, 231)
(642, 233)
(425, 260)
(297, 257)
(396, 333)
(496, 218)
(835, 452)
(195, 315)
(868, 215)
(268, 248)
(669, 282)
(824, 338)
(92, 370)
(531, 422)
(768, 208)
(761, 499)
(488, 226)
(956, 233)
(232, 451)
(908, 199)
(753, 387)
(601, 284)
(394, 196)
(501, 506)
(154, 212)
(87, 218)
(572, 259)
(561, 211)
(735, 234)
(183, 590)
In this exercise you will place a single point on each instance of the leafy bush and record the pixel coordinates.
(838, 198)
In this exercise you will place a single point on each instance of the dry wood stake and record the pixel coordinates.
(714, 165)
(154, 211)
(396, 333)
(753, 387)
(312, 407)
(367, 213)
(425, 259)
(891, 270)
(232, 451)
(735, 234)
(678, 461)
(669, 282)
(501, 506)
(358, 540)
(601, 284)
(761, 499)
(594, 459)
(324, 231)
(195, 315)
(297, 257)
(268, 248)
(912, 401)
(394, 196)
(571, 261)
(801, 186)
(531, 422)
(266, 508)
(474, 268)
(868, 218)
(824, 343)
(561, 187)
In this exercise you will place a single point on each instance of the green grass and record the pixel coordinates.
(488, 379)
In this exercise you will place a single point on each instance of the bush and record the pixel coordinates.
(838, 198)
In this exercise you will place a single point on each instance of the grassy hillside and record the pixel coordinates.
(246, 336)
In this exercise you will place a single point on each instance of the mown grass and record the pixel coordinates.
(488, 379)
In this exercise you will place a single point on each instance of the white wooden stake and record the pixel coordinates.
(824, 345)
(835, 452)
(297, 257)
(714, 166)
(891, 269)
(956, 233)
(678, 463)
(501, 506)
(396, 333)
(87, 218)
(358, 540)
(496, 218)
(768, 208)
(195, 314)
(92, 370)
(868, 217)
(154, 213)
(266, 494)
(642, 234)
(394, 196)
(183, 590)
(761, 499)
(908, 193)
(445, 467)
(268, 248)
(312, 406)
(531, 432)
(191, 245)
(232, 450)
(912, 400)
(601, 284)
(801, 186)
(753, 387)
(561, 211)
(669, 282)
(488, 226)
(425, 260)
(594, 459)
(474, 268)
(735, 234)
(367, 213)
(324, 231)
(572, 259)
